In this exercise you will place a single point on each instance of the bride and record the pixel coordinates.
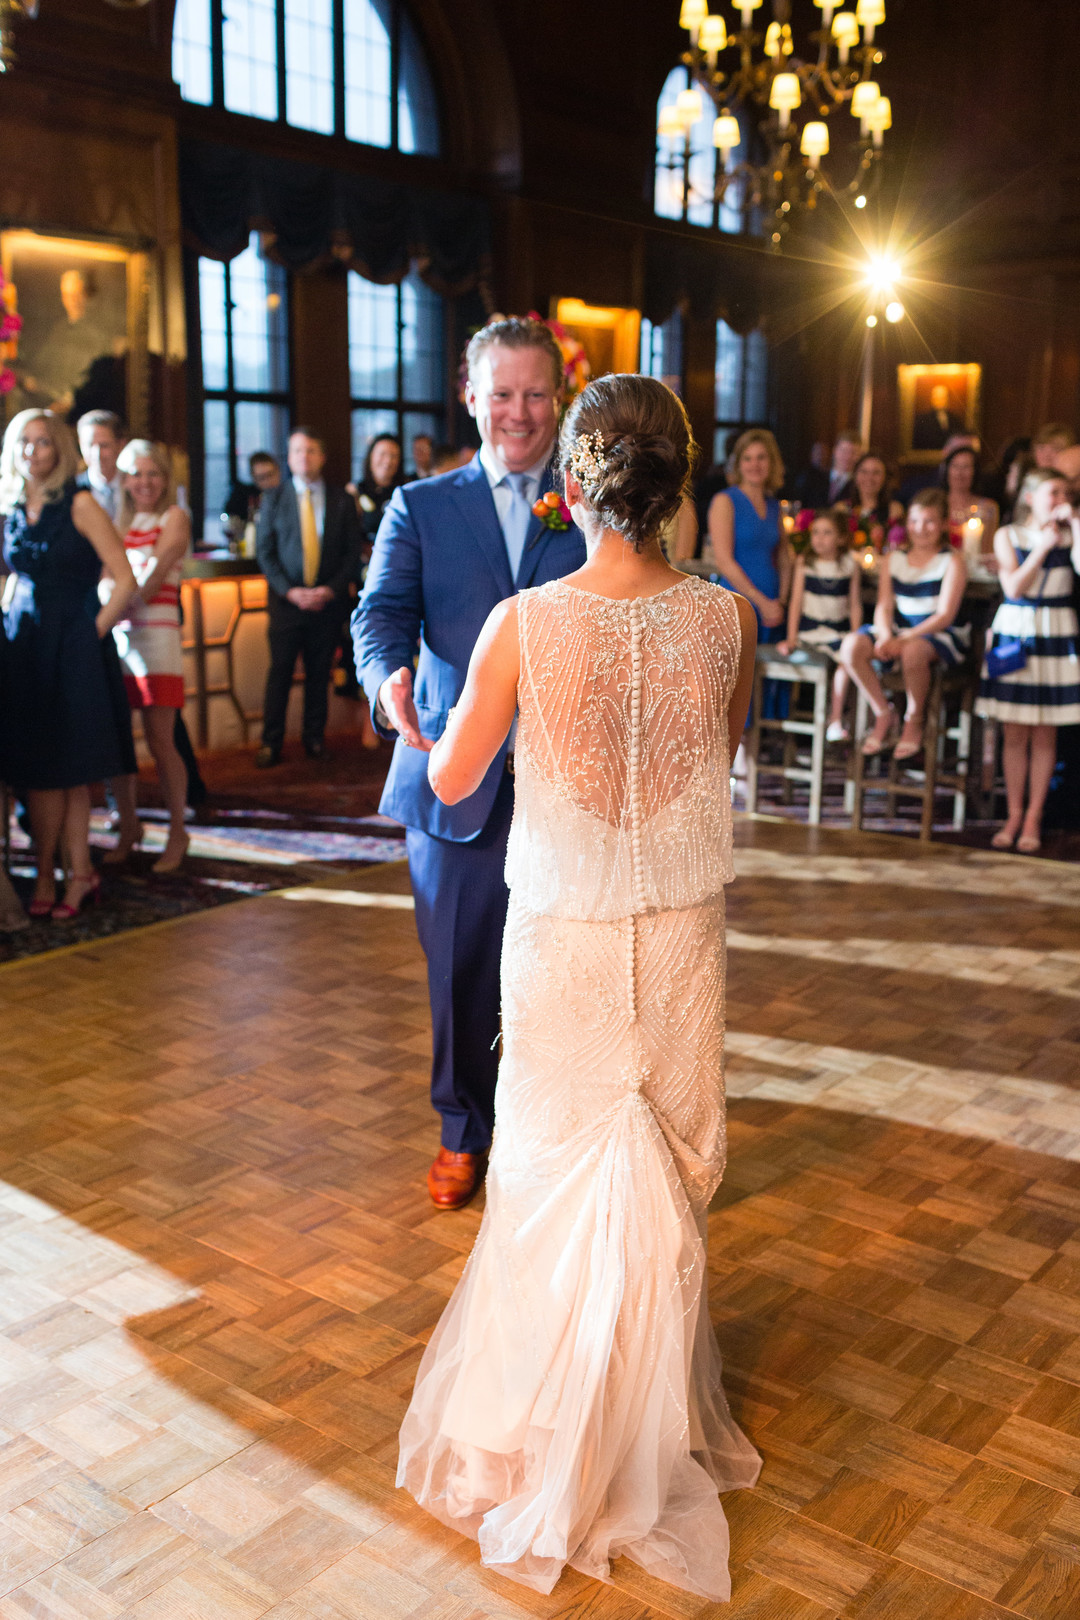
(569, 1409)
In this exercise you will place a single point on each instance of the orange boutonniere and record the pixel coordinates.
(552, 511)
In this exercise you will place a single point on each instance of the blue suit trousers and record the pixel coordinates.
(461, 899)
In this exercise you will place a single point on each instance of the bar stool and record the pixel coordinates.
(800, 669)
(948, 712)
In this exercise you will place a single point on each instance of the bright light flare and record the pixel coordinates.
(871, 320)
(894, 312)
(882, 272)
(860, 201)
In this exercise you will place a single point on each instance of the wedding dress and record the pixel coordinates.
(569, 1409)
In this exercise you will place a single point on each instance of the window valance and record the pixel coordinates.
(315, 215)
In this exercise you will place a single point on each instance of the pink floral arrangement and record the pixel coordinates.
(552, 511)
(576, 369)
(10, 327)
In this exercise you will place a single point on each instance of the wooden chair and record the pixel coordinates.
(800, 670)
(947, 732)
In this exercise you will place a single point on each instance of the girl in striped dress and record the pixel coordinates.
(825, 605)
(156, 538)
(1037, 556)
(920, 589)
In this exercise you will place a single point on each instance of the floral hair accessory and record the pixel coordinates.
(804, 520)
(587, 459)
(552, 511)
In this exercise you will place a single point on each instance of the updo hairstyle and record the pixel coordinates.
(642, 453)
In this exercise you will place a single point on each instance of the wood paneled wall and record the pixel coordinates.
(549, 110)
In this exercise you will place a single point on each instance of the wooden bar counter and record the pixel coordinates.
(226, 654)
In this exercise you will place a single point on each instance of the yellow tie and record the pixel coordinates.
(309, 539)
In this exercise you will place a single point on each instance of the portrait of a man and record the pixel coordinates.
(72, 297)
(937, 402)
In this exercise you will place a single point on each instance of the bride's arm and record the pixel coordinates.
(741, 692)
(484, 712)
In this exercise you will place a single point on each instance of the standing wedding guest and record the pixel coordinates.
(1048, 440)
(569, 1408)
(1038, 559)
(1003, 485)
(826, 605)
(64, 715)
(308, 547)
(920, 589)
(959, 477)
(157, 536)
(380, 477)
(748, 544)
(423, 454)
(871, 504)
(101, 436)
(821, 486)
(448, 551)
(244, 499)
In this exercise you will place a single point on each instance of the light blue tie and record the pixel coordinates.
(516, 524)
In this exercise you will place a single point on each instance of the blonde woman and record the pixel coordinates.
(157, 534)
(65, 723)
(752, 554)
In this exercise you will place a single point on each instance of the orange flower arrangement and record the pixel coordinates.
(552, 511)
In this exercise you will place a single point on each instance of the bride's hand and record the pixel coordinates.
(396, 698)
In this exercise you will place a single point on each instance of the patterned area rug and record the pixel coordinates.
(260, 830)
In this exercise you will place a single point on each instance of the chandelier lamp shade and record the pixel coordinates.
(780, 107)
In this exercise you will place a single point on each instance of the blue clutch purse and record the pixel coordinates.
(1006, 656)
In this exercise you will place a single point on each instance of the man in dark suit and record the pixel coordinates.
(933, 427)
(448, 551)
(824, 486)
(308, 546)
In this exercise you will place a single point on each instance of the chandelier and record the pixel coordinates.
(9, 10)
(777, 115)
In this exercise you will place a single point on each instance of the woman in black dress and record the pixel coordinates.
(65, 722)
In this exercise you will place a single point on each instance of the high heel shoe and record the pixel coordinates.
(166, 866)
(67, 913)
(41, 908)
(124, 847)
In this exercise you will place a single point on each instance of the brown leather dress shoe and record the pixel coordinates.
(454, 1177)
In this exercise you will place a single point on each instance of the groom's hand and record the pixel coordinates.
(396, 701)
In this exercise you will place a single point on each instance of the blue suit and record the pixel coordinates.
(439, 567)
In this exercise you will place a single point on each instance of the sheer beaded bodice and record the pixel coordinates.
(622, 800)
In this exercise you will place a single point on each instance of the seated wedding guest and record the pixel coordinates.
(1003, 483)
(920, 589)
(959, 477)
(243, 501)
(308, 547)
(748, 544)
(423, 455)
(1048, 440)
(157, 536)
(1067, 463)
(64, 719)
(1034, 635)
(101, 436)
(871, 505)
(821, 486)
(826, 605)
(381, 476)
(444, 459)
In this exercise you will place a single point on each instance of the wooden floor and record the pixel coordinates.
(218, 1264)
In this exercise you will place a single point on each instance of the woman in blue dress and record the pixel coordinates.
(751, 551)
(65, 722)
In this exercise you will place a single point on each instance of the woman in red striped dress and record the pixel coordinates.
(156, 538)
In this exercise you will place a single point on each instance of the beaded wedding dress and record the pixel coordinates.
(569, 1409)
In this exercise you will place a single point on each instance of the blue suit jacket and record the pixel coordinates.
(438, 568)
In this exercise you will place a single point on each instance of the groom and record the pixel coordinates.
(448, 551)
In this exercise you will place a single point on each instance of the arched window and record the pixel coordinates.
(742, 378)
(346, 67)
(662, 350)
(688, 167)
(397, 363)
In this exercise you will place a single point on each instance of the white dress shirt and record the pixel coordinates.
(106, 492)
(318, 499)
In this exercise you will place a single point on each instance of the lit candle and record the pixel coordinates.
(972, 536)
(869, 560)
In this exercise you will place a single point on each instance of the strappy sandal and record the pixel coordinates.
(872, 745)
(908, 750)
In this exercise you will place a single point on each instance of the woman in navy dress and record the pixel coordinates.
(65, 722)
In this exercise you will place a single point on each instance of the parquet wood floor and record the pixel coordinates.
(218, 1264)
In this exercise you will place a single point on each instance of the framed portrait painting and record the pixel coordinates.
(82, 345)
(936, 402)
